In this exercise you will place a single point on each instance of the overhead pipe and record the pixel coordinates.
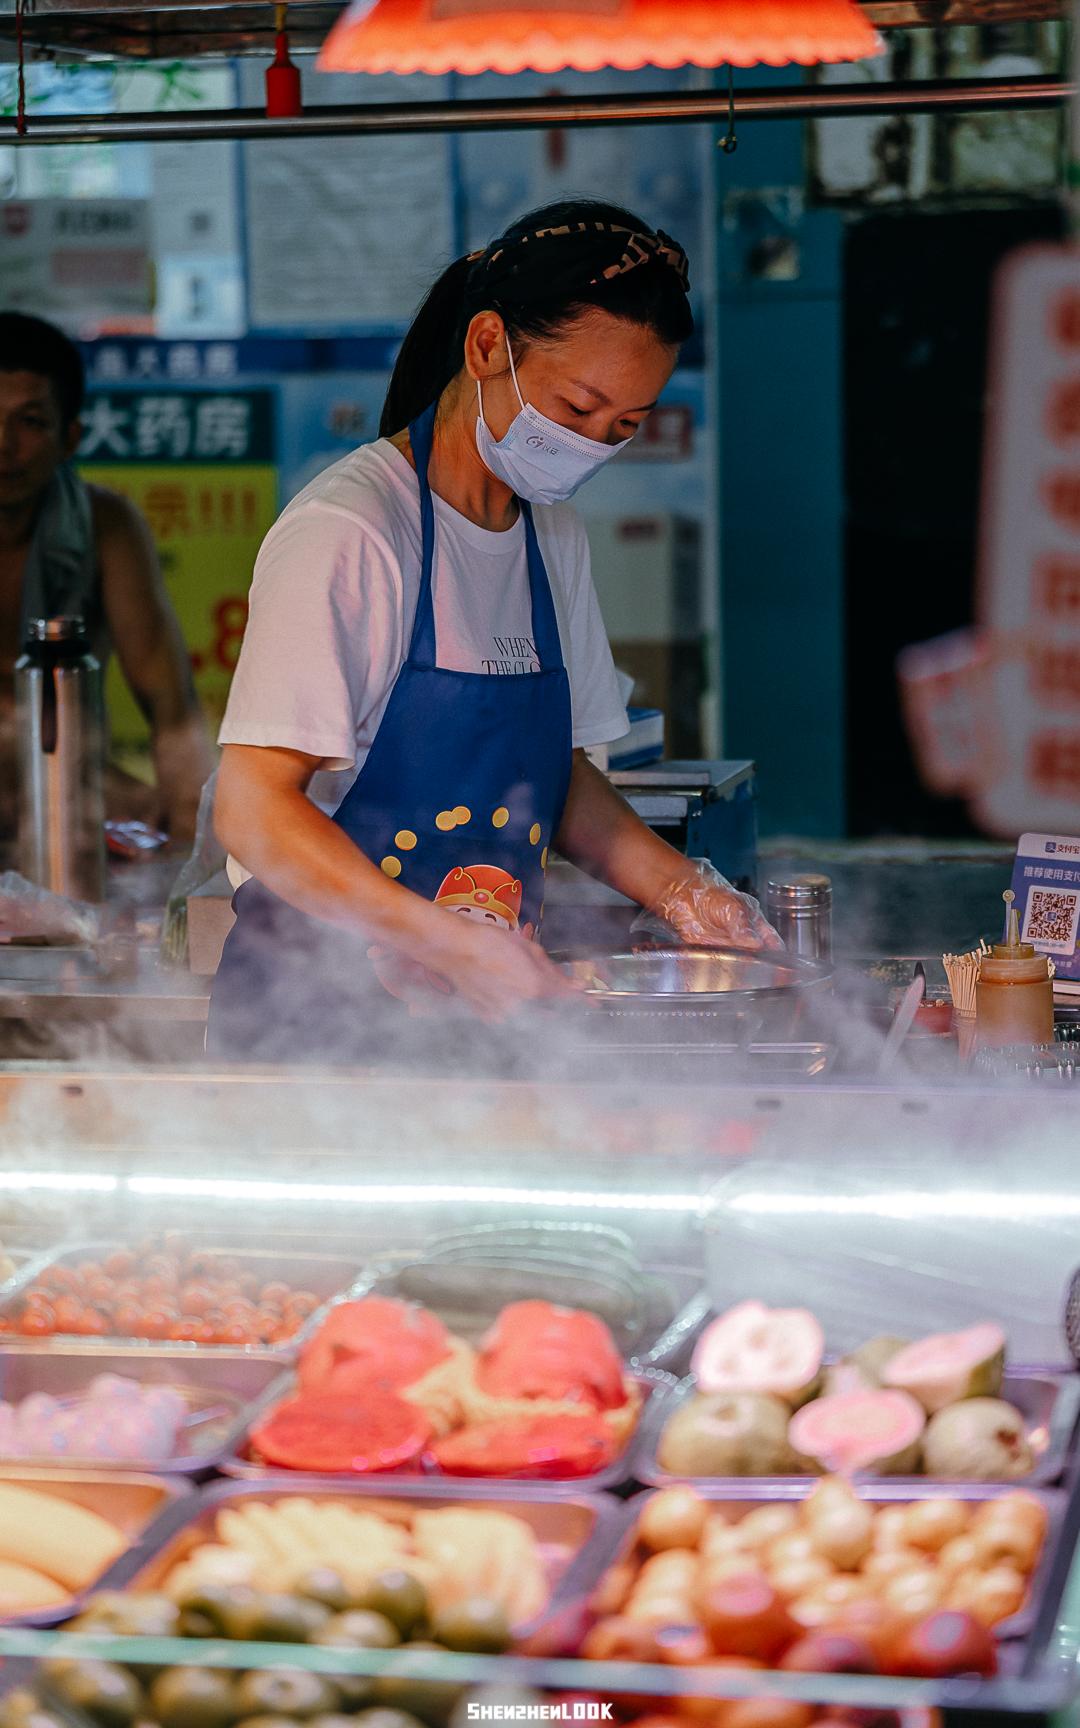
(798, 102)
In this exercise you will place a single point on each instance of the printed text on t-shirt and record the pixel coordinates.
(512, 654)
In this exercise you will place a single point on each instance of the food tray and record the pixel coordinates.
(1048, 1402)
(133, 1501)
(327, 1276)
(569, 1528)
(615, 1476)
(1051, 1571)
(224, 1390)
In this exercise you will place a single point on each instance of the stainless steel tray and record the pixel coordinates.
(132, 1501)
(223, 1390)
(617, 1474)
(467, 1276)
(742, 1498)
(568, 1527)
(692, 977)
(623, 1046)
(1048, 1402)
(327, 1276)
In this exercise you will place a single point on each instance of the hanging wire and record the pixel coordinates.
(20, 49)
(729, 142)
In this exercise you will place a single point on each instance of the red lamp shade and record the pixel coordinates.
(468, 36)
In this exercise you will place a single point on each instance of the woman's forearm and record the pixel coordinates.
(603, 836)
(297, 852)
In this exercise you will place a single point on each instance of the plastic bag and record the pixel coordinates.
(206, 858)
(705, 911)
(32, 914)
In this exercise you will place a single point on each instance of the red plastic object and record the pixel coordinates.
(470, 36)
(132, 839)
(283, 101)
(935, 1017)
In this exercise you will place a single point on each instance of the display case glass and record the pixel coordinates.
(243, 1217)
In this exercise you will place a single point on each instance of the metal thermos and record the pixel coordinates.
(61, 758)
(800, 909)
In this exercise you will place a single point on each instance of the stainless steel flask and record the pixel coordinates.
(60, 716)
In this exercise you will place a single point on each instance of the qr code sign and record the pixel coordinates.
(1052, 918)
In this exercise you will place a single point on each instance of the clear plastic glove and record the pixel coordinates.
(492, 972)
(705, 911)
(408, 980)
(206, 858)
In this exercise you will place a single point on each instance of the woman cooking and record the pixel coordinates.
(423, 625)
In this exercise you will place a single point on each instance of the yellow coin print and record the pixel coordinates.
(445, 821)
(405, 841)
(534, 834)
(501, 817)
(391, 866)
(462, 814)
(544, 858)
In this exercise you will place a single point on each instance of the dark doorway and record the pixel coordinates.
(916, 295)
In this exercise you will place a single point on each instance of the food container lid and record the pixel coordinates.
(806, 889)
(1020, 965)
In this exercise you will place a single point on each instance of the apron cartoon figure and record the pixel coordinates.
(486, 892)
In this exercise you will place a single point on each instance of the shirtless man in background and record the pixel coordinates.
(67, 548)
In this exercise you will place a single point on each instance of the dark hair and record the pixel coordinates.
(544, 272)
(31, 345)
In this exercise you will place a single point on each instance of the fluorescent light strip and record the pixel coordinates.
(60, 1181)
(409, 1193)
(965, 1204)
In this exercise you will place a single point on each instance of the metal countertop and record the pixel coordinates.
(66, 984)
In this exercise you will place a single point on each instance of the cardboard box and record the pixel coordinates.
(210, 917)
(669, 676)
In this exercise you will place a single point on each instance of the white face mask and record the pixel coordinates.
(539, 460)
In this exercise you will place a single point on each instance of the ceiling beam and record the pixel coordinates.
(797, 101)
(894, 14)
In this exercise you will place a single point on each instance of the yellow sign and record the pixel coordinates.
(208, 523)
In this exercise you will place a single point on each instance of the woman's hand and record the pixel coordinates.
(410, 981)
(495, 971)
(706, 915)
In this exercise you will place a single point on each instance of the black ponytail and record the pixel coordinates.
(542, 274)
(431, 352)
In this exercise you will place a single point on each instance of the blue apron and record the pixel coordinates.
(458, 800)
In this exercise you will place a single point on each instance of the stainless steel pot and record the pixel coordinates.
(711, 992)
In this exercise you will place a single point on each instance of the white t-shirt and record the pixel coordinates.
(334, 597)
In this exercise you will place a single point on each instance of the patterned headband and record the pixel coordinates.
(514, 260)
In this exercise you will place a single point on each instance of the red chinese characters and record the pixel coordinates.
(1054, 763)
(1057, 588)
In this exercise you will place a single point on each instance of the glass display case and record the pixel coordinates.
(218, 1433)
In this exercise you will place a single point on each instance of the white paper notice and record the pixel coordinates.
(1029, 599)
(346, 231)
(195, 187)
(78, 259)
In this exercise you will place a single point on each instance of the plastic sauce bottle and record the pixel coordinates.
(1014, 998)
